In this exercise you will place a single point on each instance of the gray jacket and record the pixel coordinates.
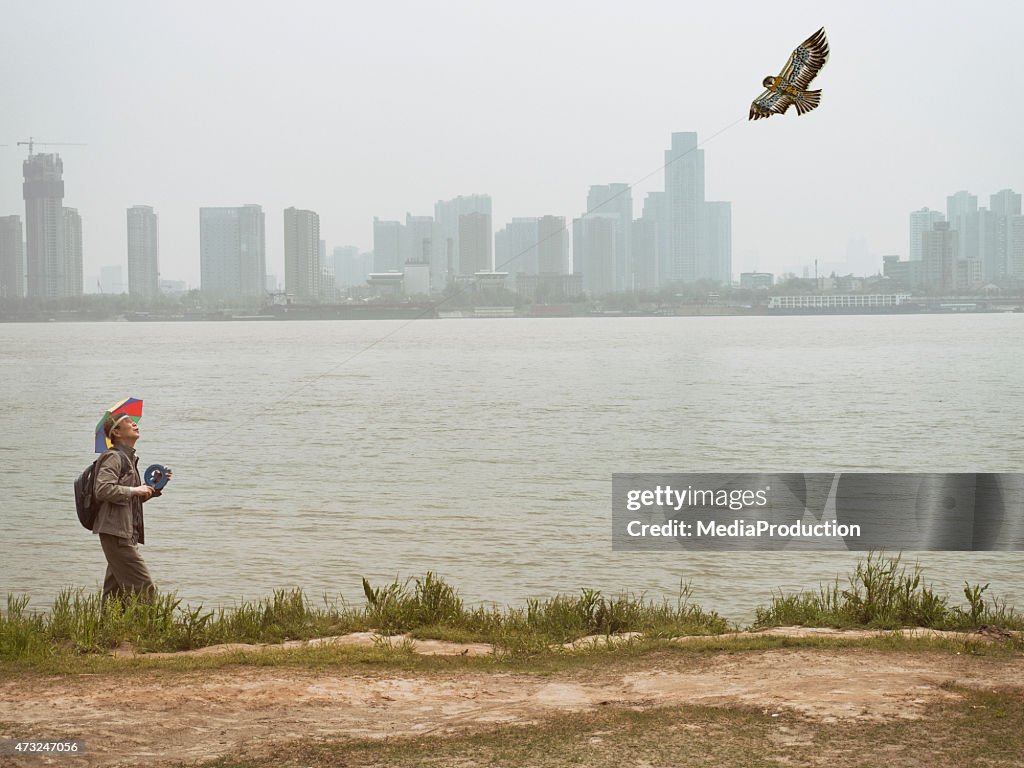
(120, 511)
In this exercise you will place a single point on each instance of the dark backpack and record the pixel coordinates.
(85, 486)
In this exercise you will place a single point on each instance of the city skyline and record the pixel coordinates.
(437, 239)
(679, 237)
(537, 133)
(991, 237)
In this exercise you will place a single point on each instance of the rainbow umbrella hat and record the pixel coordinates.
(132, 406)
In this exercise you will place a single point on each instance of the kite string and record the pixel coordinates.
(304, 384)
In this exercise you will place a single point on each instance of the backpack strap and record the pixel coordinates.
(126, 465)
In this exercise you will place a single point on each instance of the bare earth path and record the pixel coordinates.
(160, 716)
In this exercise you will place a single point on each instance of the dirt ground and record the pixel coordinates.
(160, 716)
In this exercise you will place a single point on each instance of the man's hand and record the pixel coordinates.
(143, 490)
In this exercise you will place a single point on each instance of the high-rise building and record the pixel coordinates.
(143, 252)
(716, 243)
(645, 254)
(1015, 249)
(940, 249)
(684, 192)
(595, 251)
(302, 254)
(72, 223)
(447, 214)
(694, 235)
(503, 255)
(997, 239)
(1006, 202)
(387, 246)
(984, 233)
(532, 246)
(12, 258)
(651, 238)
(962, 215)
(46, 266)
(476, 243)
(515, 247)
(232, 251)
(422, 244)
(921, 221)
(615, 200)
(418, 239)
(552, 246)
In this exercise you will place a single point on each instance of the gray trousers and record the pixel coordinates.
(126, 571)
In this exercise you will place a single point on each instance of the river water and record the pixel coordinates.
(312, 454)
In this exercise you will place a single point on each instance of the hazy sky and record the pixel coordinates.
(356, 109)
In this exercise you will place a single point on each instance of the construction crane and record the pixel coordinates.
(32, 142)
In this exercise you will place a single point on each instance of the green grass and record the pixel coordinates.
(424, 607)
(79, 622)
(883, 593)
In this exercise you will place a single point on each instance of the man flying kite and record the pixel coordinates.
(790, 86)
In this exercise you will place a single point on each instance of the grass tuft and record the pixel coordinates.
(884, 594)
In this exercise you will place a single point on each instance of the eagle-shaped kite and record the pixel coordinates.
(790, 86)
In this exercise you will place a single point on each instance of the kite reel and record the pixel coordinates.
(156, 476)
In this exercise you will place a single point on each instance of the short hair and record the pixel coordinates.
(112, 420)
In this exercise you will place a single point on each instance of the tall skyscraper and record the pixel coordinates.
(447, 214)
(46, 256)
(422, 244)
(940, 250)
(645, 254)
(1006, 202)
(552, 246)
(302, 254)
(962, 215)
(12, 258)
(387, 246)
(920, 222)
(716, 243)
(72, 223)
(476, 243)
(232, 251)
(997, 240)
(595, 251)
(652, 238)
(684, 192)
(143, 251)
(418, 239)
(515, 247)
(614, 200)
(1015, 249)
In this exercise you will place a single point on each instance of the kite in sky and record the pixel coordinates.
(790, 86)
